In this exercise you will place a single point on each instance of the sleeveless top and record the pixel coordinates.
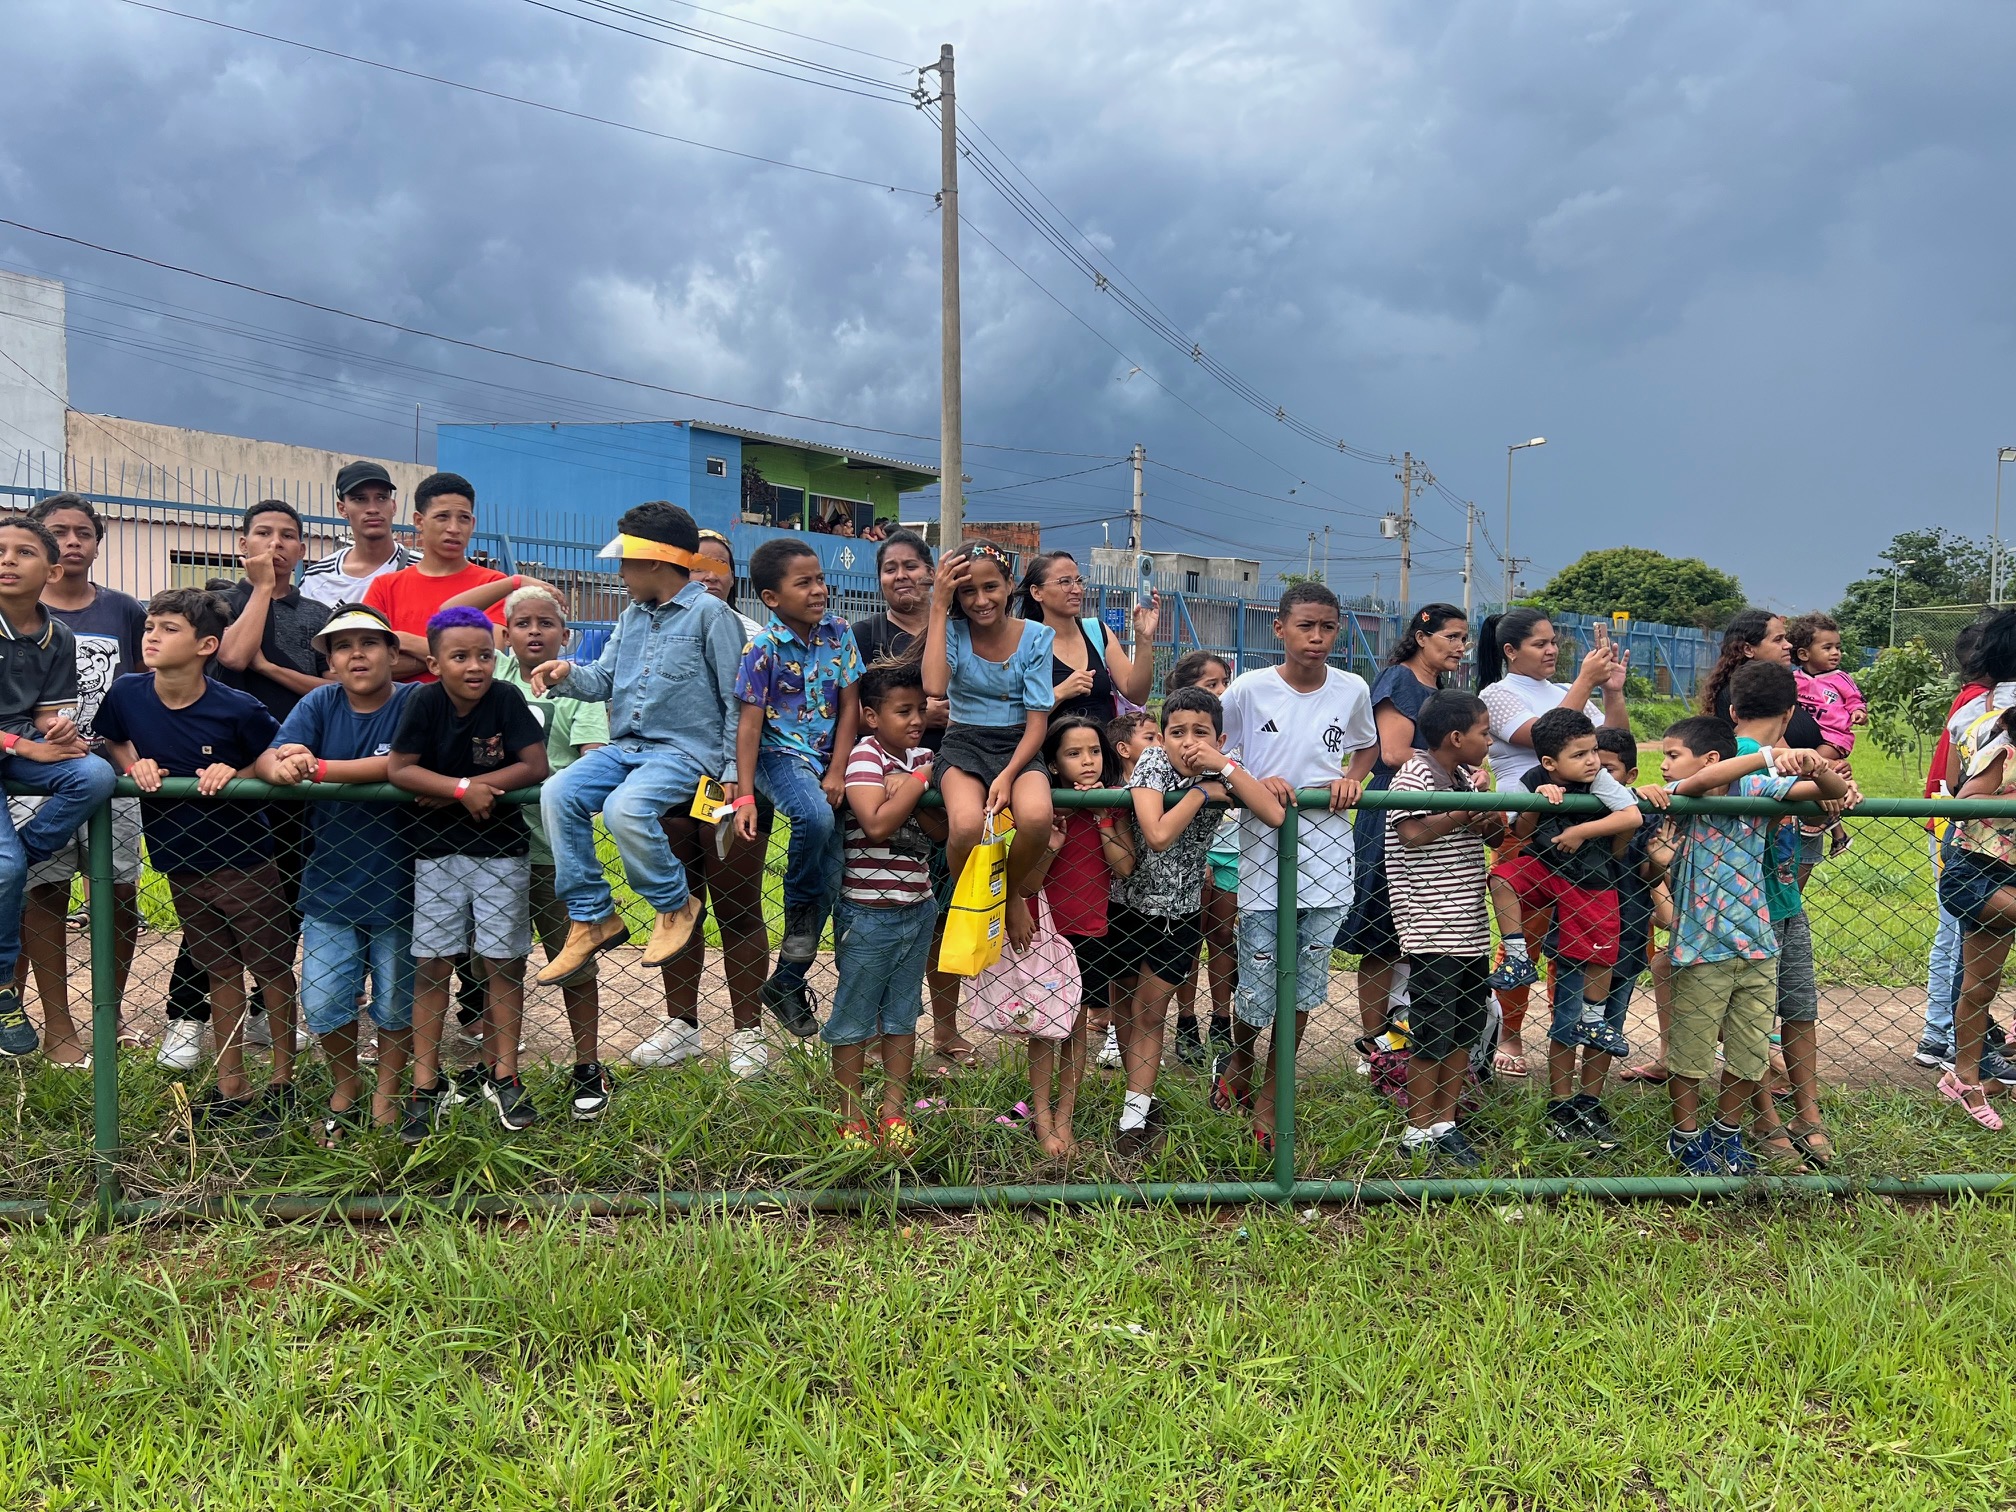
(1098, 703)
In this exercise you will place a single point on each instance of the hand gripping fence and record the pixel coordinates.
(698, 1136)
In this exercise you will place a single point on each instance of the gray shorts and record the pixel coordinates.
(477, 905)
(74, 859)
(1798, 987)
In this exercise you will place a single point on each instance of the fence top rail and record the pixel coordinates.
(247, 789)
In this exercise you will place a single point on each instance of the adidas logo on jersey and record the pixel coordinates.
(1270, 728)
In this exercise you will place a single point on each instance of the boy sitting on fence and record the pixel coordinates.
(357, 887)
(42, 747)
(463, 741)
(174, 720)
(1725, 951)
(668, 676)
(798, 723)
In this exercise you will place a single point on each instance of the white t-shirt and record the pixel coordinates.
(1512, 701)
(2001, 696)
(325, 582)
(1307, 739)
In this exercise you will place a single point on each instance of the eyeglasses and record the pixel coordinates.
(1070, 582)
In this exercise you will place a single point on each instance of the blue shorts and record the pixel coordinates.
(1966, 883)
(1568, 1001)
(336, 958)
(1315, 935)
(880, 954)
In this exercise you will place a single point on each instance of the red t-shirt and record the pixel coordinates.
(409, 598)
(1079, 880)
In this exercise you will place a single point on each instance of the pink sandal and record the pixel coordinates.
(1955, 1090)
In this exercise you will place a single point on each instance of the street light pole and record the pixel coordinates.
(1896, 581)
(1510, 564)
(2002, 455)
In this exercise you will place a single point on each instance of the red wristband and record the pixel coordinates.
(922, 774)
(462, 787)
(745, 801)
(8, 740)
(517, 582)
(321, 770)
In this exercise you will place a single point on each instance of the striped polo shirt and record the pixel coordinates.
(891, 873)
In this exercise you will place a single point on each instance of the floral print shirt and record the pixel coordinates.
(798, 684)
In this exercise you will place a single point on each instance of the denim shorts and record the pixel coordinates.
(1568, 990)
(880, 954)
(336, 959)
(1798, 987)
(1315, 937)
(1966, 883)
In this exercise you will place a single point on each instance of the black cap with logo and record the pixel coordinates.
(357, 474)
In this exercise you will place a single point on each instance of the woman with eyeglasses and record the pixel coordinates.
(1087, 663)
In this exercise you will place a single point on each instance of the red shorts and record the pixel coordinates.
(1585, 919)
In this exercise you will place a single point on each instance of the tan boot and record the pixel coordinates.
(672, 933)
(584, 943)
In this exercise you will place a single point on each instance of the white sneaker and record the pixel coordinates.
(748, 1054)
(257, 1032)
(181, 1046)
(303, 1040)
(676, 1042)
(1109, 1053)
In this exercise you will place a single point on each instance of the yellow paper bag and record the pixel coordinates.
(975, 923)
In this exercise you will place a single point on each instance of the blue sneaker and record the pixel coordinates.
(1995, 1066)
(1727, 1145)
(1694, 1154)
(1513, 971)
(1587, 1035)
(1610, 1040)
(18, 1037)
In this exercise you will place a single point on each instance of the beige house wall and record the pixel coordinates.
(108, 454)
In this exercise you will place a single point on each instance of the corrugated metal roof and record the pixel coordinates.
(866, 459)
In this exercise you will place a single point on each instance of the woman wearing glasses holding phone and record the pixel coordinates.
(1090, 669)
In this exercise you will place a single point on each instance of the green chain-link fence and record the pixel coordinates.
(695, 1132)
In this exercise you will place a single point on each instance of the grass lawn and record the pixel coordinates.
(1784, 1356)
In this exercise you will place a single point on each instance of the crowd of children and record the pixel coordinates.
(450, 681)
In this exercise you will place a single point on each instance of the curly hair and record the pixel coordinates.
(1743, 635)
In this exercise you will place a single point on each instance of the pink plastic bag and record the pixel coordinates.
(1036, 991)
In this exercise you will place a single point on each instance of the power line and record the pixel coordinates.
(1056, 478)
(498, 94)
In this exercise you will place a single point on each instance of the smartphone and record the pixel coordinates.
(1602, 636)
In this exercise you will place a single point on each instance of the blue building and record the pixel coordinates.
(549, 495)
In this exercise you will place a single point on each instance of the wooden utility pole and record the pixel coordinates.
(1469, 551)
(1138, 456)
(951, 454)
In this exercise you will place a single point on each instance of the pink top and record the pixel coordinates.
(1833, 700)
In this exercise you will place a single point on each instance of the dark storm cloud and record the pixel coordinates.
(1740, 264)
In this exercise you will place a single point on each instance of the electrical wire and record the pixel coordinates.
(498, 94)
(1057, 478)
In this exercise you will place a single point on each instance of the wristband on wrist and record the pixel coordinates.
(1770, 759)
(8, 740)
(321, 771)
(462, 787)
(517, 582)
(922, 774)
(747, 800)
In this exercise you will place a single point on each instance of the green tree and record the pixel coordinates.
(1909, 692)
(1647, 585)
(1944, 569)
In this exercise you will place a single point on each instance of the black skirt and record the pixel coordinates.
(981, 751)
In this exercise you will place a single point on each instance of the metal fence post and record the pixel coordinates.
(104, 1014)
(1286, 953)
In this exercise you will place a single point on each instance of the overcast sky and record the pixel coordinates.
(1745, 266)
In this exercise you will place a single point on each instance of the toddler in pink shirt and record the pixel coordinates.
(1830, 696)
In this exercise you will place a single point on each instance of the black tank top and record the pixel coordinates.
(1098, 703)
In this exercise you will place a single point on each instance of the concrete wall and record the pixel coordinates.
(139, 460)
(32, 402)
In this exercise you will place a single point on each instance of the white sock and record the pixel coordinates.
(1592, 1012)
(1436, 1131)
(1415, 1137)
(1515, 947)
(1134, 1112)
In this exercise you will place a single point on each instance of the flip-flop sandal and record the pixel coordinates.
(1264, 1138)
(1510, 1063)
(1016, 1116)
(336, 1125)
(1803, 1137)
(132, 1039)
(966, 1058)
(1651, 1075)
(1779, 1150)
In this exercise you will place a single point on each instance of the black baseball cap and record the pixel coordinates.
(357, 474)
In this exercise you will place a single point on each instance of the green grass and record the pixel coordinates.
(1794, 1356)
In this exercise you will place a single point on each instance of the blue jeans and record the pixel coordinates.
(1942, 977)
(812, 865)
(632, 786)
(1315, 934)
(881, 954)
(1568, 989)
(75, 789)
(336, 958)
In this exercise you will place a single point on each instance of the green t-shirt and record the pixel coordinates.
(1781, 874)
(570, 724)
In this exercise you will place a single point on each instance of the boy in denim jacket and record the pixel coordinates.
(668, 676)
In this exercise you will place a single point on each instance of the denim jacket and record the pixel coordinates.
(668, 676)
